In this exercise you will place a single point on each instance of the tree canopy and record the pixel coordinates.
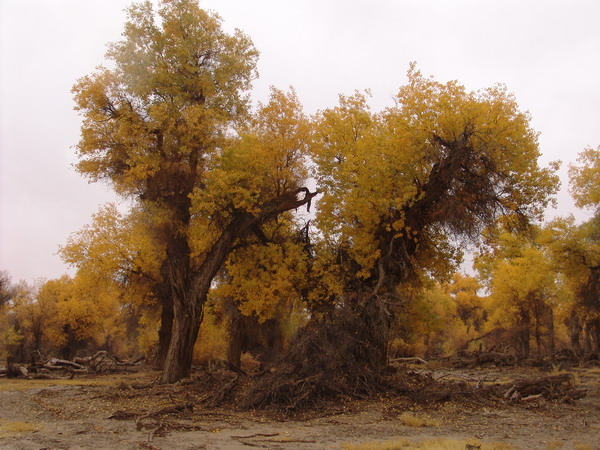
(213, 185)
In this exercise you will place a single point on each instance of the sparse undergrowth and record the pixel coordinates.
(131, 410)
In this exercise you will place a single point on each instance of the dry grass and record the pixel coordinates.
(429, 444)
(9, 428)
(413, 420)
(579, 446)
(17, 384)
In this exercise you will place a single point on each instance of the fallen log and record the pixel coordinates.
(62, 363)
(128, 362)
(553, 387)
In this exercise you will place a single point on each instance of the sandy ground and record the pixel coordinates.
(109, 414)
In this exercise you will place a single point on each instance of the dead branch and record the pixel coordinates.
(478, 338)
(234, 368)
(412, 359)
(256, 435)
(187, 407)
(62, 363)
(554, 387)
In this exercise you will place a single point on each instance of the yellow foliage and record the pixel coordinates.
(148, 332)
(212, 339)
(9, 339)
(375, 168)
(264, 276)
(268, 160)
(585, 178)
(177, 84)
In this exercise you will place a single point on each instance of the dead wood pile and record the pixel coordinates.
(560, 387)
(337, 355)
(100, 362)
(507, 356)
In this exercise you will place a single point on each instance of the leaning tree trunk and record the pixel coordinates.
(188, 285)
(189, 290)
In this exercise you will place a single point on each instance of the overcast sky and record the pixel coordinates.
(546, 52)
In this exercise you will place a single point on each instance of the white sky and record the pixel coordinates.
(546, 52)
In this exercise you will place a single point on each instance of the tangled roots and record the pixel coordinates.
(341, 353)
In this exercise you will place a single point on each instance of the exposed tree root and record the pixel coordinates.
(340, 354)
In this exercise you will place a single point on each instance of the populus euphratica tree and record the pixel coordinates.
(163, 126)
(412, 183)
(403, 189)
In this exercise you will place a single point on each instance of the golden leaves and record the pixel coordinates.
(585, 179)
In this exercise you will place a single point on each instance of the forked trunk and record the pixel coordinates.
(189, 289)
(189, 286)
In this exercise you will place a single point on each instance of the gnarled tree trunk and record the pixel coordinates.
(164, 333)
(189, 285)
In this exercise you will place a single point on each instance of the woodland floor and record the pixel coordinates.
(125, 411)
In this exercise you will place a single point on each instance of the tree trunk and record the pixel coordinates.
(575, 331)
(164, 333)
(236, 337)
(524, 333)
(187, 318)
(594, 332)
(188, 291)
(273, 340)
(188, 286)
(551, 333)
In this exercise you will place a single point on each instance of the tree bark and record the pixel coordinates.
(524, 333)
(537, 312)
(236, 337)
(164, 333)
(551, 333)
(187, 318)
(189, 286)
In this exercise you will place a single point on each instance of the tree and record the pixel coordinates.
(169, 126)
(524, 291)
(261, 288)
(118, 250)
(585, 179)
(6, 288)
(576, 250)
(469, 306)
(404, 186)
(403, 189)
